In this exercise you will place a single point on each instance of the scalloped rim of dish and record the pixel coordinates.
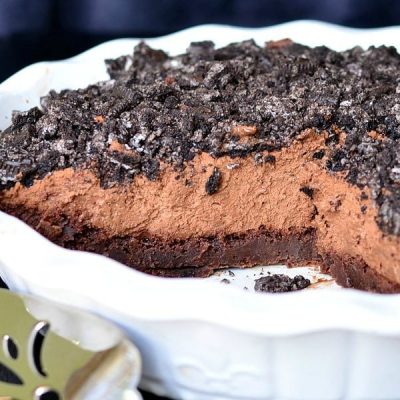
(64, 274)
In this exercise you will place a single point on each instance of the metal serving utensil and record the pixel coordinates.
(53, 352)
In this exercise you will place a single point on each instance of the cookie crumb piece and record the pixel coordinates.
(280, 283)
(231, 166)
(363, 196)
(213, 182)
(318, 155)
(307, 191)
(269, 159)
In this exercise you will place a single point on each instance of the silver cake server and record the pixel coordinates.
(53, 352)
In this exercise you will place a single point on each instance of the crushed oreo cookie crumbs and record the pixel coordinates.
(280, 283)
(307, 191)
(232, 166)
(363, 196)
(213, 182)
(169, 109)
(270, 159)
(319, 155)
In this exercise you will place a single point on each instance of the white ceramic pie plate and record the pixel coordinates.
(201, 339)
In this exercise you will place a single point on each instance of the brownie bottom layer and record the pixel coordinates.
(353, 272)
(200, 257)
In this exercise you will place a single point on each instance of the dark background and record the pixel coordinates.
(33, 30)
(37, 30)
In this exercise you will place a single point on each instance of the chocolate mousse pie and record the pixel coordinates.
(235, 156)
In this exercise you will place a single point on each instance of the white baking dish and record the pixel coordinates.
(200, 339)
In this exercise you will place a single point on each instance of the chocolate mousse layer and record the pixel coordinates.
(243, 155)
